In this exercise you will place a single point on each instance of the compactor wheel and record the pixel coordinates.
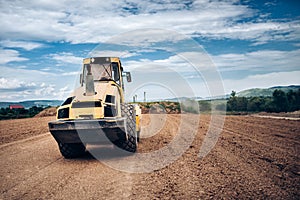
(71, 150)
(129, 144)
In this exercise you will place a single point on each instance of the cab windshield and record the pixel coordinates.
(102, 72)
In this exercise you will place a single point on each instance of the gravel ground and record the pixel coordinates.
(255, 158)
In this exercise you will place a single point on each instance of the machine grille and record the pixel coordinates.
(86, 104)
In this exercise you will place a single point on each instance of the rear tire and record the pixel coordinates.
(71, 150)
(129, 144)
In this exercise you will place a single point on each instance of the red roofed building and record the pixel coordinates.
(15, 106)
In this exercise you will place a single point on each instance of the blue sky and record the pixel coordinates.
(244, 44)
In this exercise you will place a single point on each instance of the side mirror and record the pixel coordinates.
(128, 76)
(80, 80)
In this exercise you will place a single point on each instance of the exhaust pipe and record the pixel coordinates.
(89, 84)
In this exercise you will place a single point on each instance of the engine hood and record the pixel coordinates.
(101, 89)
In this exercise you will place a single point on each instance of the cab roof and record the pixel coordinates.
(100, 60)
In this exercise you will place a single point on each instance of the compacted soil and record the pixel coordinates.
(254, 157)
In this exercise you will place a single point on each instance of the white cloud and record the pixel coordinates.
(17, 90)
(146, 37)
(43, 91)
(25, 75)
(21, 44)
(70, 73)
(181, 63)
(95, 21)
(263, 81)
(116, 21)
(273, 68)
(207, 66)
(21, 89)
(120, 54)
(297, 44)
(8, 55)
(23, 84)
(259, 32)
(263, 60)
(65, 57)
(14, 84)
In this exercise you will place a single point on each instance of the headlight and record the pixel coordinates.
(63, 113)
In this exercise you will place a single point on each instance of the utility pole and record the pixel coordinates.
(144, 96)
(134, 98)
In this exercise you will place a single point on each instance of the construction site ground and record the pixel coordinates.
(254, 158)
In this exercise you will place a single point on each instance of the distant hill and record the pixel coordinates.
(266, 91)
(179, 99)
(245, 93)
(29, 104)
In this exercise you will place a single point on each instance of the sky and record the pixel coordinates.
(173, 48)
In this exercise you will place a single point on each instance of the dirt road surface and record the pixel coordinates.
(254, 158)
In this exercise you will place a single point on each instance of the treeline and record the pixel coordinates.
(7, 113)
(279, 102)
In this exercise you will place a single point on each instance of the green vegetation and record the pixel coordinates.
(274, 99)
(266, 92)
(280, 101)
(7, 113)
(205, 106)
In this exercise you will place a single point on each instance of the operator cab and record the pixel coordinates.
(103, 69)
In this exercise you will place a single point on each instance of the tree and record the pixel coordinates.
(241, 103)
(293, 98)
(280, 101)
(221, 107)
(205, 105)
(237, 103)
(256, 104)
(232, 102)
(297, 107)
(233, 93)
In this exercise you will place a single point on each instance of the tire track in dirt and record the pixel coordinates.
(249, 131)
(264, 158)
(36, 176)
(175, 181)
(17, 129)
(271, 164)
(280, 153)
(238, 177)
(29, 161)
(276, 125)
(267, 166)
(240, 166)
(277, 163)
(19, 161)
(266, 136)
(160, 137)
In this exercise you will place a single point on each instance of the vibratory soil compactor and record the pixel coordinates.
(96, 110)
